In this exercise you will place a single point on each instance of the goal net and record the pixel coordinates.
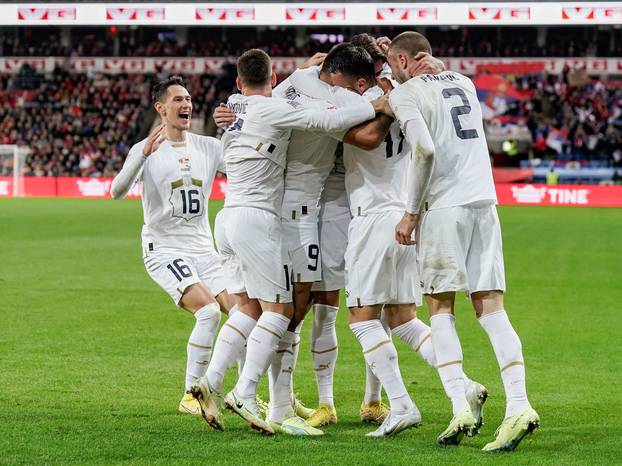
(12, 163)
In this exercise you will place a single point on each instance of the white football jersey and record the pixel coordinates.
(376, 179)
(334, 204)
(311, 155)
(176, 185)
(256, 144)
(448, 104)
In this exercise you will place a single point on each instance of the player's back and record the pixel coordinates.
(449, 105)
(376, 179)
(310, 157)
(254, 152)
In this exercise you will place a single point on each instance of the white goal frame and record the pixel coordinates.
(19, 154)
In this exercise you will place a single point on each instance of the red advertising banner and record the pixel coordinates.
(286, 65)
(508, 193)
(81, 187)
(559, 195)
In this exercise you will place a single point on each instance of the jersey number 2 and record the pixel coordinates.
(458, 110)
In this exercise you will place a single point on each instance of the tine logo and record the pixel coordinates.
(315, 14)
(591, 13)
(225, 14)
(406, 14)
(46, 14)
(134, 14)
(499, 14)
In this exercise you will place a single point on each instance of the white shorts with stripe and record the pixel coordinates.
(379, 270)
(333, 244)
(174, 272)
(255, 258)
(461, 249)
(303, 244)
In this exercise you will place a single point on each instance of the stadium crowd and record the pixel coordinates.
(580, 120)
(83, 125)
(449, 42)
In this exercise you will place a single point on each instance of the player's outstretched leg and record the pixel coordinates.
(380, 354)
(229, 343)
(408, 328)
(520, 418)
(373, 410)
(324, 349)
(282, 416)
(199, 300)
(262, 344)
(449, 365)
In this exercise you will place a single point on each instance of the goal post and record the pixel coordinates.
(12, 163)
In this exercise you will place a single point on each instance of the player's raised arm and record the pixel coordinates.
(290, 114)
(134, 162)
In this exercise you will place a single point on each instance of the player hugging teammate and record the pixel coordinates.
(320, 171)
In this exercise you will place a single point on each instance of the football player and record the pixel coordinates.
(451, 196)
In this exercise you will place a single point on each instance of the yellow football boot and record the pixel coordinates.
(301, 410)
(374, 412)
(324, 415)
(514, 429)
(189, 405)
(210, 403)
(295, 425)
(463, 423)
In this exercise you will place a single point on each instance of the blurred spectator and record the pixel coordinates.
(76, 125)
(569, 118)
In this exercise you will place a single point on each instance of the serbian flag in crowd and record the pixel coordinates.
(556, 139)
(495, 93)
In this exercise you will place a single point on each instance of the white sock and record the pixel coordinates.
(296, 350)
(239, 359)
(381, 355)
(199, 347)
(372, 384)
(324, 350)
(230, 343)
(417, 335)
(280, 378)
(509, 352)
(449, 359)
(260, 347)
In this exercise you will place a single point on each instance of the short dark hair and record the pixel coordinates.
(254, 67)
(160, 89)
(368, 42)
(412, 43)
(350, 60)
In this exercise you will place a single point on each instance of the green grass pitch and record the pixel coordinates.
(93, 353)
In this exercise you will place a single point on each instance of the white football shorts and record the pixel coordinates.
(379, 270)
(175, 272)
(255, 258)
(333, 243)
(461, 249)
(302, 240)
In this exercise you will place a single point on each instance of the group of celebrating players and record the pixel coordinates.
(366, 169)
